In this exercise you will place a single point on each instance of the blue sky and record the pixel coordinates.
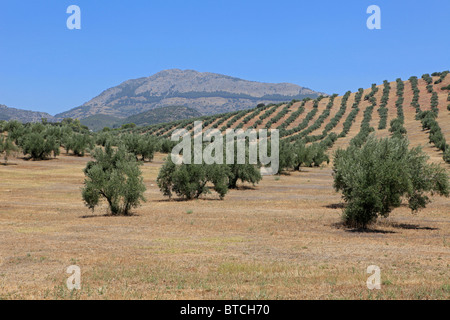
(323, 45)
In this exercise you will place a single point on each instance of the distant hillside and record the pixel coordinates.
(160, 115)
(7, 114)
(335, 121)
(99, 121)
(208, 93)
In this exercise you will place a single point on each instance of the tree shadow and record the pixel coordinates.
(244, 188)
(187, 200)
(31, 159)
(408, 226)
(172, 200)
(8, 164)
(341, 225)
(108, 215)
(368, 230)
(340, 205)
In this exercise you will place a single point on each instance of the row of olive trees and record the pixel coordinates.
(40, 141)
(373, 179)
(190, 181)
(428, 118)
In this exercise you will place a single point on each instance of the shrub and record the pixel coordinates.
(426, 77)
(244, 173)
(38, 147)
(147, 147)
(103, 138)
(7, 148)
(141, 146)
(375, 178)
(309, 156)
(2, 125)
(318, 155)
(78, 143)
(447, 155)
(128, 126)
(397, 128)
(190, 181)
(349, 122)
(116, 177)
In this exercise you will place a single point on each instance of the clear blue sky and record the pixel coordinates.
(323, 45)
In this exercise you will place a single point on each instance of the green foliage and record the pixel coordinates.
(298, 154)
(352, 115)
(78, 143)
(7, 147)
(397, 129)
(15, 130)
(365, 129)
(416, 91)
(441, 75)
(166, 145)
(383, 111)
(104, 137)
(39, 147)
(396, 124)
(426, 77)
(286, 156)
(317, 124)
(304, 123)
(294, 115)
(428, 119)
(302, 155)
(140, 146)
(74, 124)
(128, 126)
(375, 178)
(116, 177)
(447, 155)
(190, 181)
(245, 172)
(349, 122)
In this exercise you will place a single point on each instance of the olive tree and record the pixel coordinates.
(115, 176)
(375, 178)
(245, 172)
(190, 181)
(7, 147)
(78, 143)
(38, 146)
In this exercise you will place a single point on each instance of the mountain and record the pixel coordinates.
(7, 113)
(208, 93)
(159, 115)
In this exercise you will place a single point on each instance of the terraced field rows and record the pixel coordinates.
(309, 120)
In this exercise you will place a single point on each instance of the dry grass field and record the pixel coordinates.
(282, 239)
(279, 240)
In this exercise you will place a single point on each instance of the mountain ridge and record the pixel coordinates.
(9, 113)
(207, 92)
